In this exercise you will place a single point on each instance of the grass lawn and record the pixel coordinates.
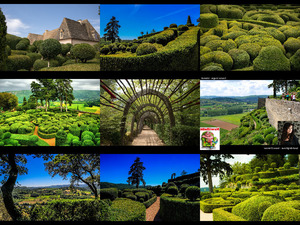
(234, 119)
(91, 65)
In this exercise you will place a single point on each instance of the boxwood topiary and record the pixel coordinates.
(145, 48)
(292, 45)
(295, 61)
(240, 58)
(252, 49)
(271, 18)
(271, 58)
(283, 211)
(108, 193)
(192, 193)
(17, 62)
(39, 64)
(219, 57)
(209, 20)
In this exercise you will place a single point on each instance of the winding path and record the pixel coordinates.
(50, 141)
(152, 213)
(206, 216)
(147, 137)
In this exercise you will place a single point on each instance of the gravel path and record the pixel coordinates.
(152, 213)
(206, 216)
(50, 141)
(147, 137)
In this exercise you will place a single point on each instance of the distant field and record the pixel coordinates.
(81, 107)
(234, 119)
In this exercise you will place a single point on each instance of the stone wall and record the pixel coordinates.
(261, 103)
(282, 110)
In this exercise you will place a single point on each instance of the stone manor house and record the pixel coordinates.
(70, 31)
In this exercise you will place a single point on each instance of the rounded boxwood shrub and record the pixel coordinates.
(209, 20)
(233, 35)
(295, 61)
(292, 45)
(192, 193)
(104, 50)
(50, 48)
(240, 58)
(219, 57)
(182, 28)
(213, 68)
(83, 52)
(18, 62)
(208, 38)
(172, 190)
(145, 48)
(173, 25)
(39, 64)
(34, 57)
(60, 138)
(230, 11)
(108, 193)
(248, 209)
(252, 49)
(271, 58)
(283, 211)
(271, 18)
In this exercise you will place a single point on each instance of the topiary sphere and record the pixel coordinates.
(172, 190)
(50, 48)
(33, 138)
(145, 48)
(173, 25)
(252, 49)
(218, 57)
(83, 52)
(271, 58)
(292, 45)
(295, 61)
(240, 58)
(209, 20)
(192, 193)
(283, 211)
(271, 18)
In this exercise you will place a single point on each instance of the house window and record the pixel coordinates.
(94, 35)
(61, 34)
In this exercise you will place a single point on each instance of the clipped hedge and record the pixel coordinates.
(71, 210)
(183, 135)
(224, 214)
(176, 209)
(45, 136)
(148, 203)
(18, 62)
(109, 193)
(180, 54)
(283, 211)
(127, 210)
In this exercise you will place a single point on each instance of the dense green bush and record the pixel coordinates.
(295, 61)
(148, 203)
(240, 58)
(17, 62)
(39, 64)
(50, 48)
(109, 193)
(283, 211)
(60, 138)
(183, 135)
(209, 20)
(292, 45)
(145, 48)
(176, 209)
(224, 214)
(219, 57)
(71, 210)
(192, 193)
(172, 190)
(83, 52)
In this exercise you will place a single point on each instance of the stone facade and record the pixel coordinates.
(282, 110)
(70, 31)
(261, 103)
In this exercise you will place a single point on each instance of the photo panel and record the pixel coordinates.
(149, 37)
(249, 37)
(249, 187)
(50, 112)
(149, 112)
(53, 37)
(151, 187)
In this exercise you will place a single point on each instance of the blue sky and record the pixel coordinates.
(114, 168)
(22, 19)
(135, 18)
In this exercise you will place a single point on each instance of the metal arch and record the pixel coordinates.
(140, 94)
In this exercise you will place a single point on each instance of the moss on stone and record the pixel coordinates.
(271, 58)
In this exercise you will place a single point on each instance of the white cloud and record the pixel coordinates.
(15, 26)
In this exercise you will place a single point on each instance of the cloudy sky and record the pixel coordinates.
(237, 158)
(22, 19)
(24, 84)
(235, 87)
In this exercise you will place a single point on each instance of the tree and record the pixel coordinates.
(24, 101)
(276, 87)
(64, 90)
(189, 21)
(142, 33)
(84, 168)
(136, 172)
(112, 30)
(3, 32)
(8, 101)
(83, 52)
(213, 165)
(50, 48)
(47, 90)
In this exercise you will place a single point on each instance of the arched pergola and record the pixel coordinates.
(148, 99)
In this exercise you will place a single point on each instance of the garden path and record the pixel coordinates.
(152, 213)
(206, 216)
(147, 137)
(50, 141)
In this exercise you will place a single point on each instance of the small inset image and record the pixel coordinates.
(288, 133)
(210, 138)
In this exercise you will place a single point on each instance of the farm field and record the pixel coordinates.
(252, 37)
(260, 188)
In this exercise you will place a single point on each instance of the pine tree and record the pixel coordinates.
(24, 101)
(136, 172)
(189, 21)
(3, 32)
(112, 30)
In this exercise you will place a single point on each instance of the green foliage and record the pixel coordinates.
(172, 190)
(18, 62)
(145, 48)
(109, 193)
(240, 58)
(209, 20)
(192, 193)
(185, 135)
(292, 45)
(224, 214)
(71, 210)
(60, 138)
(295, 61)
(50, 48)
(83, 52)
(219, 57)
(3, 43)
(176, 209)
(283, 211)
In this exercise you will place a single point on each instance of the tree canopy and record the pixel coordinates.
(136, 172)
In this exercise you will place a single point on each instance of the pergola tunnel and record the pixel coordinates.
(157, 103)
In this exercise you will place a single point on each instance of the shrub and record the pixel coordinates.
(251, 48)
(287, 165)
(271, 18)
(240, 58)
(173, 25)
(39, 64)
(172, 190)
(224, 214)
(60, 138)
(230, 11)
(183, 188)
(295, 61)
(182, 28)
(192, 193)
(50, 48)
(271, 58)
(283, 211)
(104, 50)
(292, 45)
(148, 203)
(258, 138)
(65, 48)
(127, 210)
(109, 193)
(145, 48)
(34, 57)
(262, 207)
(32, 48)
(248, 209)
(22, 45)
(17, 62)
(183, 135)
(208, 20)
(269, 138)
(83, 52)
(219, 57)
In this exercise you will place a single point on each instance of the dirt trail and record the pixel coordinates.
(221, 124)
(146, 138)
(50, 141)
(206, 216)
(152, 213)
